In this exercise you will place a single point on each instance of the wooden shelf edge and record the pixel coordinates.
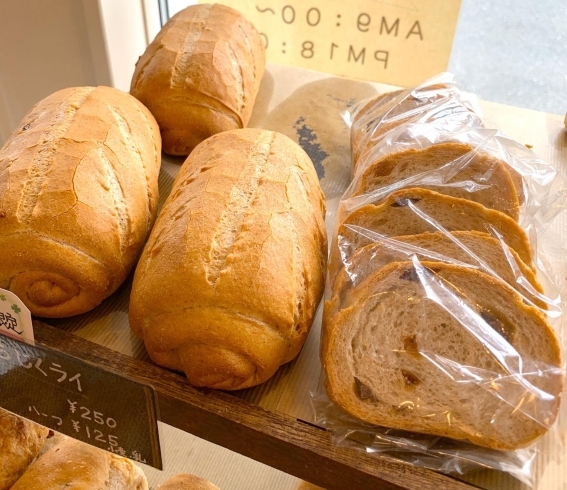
(272, 438)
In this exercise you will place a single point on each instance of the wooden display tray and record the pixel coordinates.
(288, 444)
(272, 423)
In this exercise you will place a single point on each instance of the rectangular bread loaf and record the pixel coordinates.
(227, 286)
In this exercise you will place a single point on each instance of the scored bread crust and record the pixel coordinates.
(20, 443)
(187, 482)
(467, 247)
(200, 75)
(227, 286)
(78, 197)
(74, 465)
(467, 174)
(395, 217)
(378, 357)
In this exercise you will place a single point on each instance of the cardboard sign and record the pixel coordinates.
(400, 42)
(15, 318)
(80, 400)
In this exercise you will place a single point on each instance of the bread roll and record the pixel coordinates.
(187, 482)
(227, 286)
(200, 75)
(74, 465)
(425, 350)
(20, 442)
(78, 197)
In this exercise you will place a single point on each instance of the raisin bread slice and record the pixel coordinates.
(413, 211)
(476, 249)
(452, 168)
(423, 348)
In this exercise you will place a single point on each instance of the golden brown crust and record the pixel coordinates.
(227, 286)
(200, 75)
(73, 465)
(78, 197)
(187, 482)
(20, 442)
(494, 188)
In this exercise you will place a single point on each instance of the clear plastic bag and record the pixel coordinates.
(437, 100)
(443, 334)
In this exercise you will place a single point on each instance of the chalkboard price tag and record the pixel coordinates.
(83, 401)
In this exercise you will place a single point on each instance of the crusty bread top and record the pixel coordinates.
(187, 482)
(399, 214)
(20, 442)
(467, 247)
(74, 465)
(206, 54)
(451, 168)
(236, 260)
(395, 357)
(82, 170)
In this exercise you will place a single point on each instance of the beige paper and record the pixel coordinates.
(400, 42)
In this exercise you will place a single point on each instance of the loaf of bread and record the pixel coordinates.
(74, 465)
(228, 283)
(415, 211)
(187, 482)
(446, 350)
(472, 248)
(452, 168)
(200, 75)
(20, 442)
(78, 197)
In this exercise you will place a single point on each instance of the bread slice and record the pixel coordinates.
(476, 249)
(413, 211)
(452, 168)
(426, 103)
(431, 359)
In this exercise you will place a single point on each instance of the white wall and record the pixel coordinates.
(125, 36)
(47, 45)
(44, 47)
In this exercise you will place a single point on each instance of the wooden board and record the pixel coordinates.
(280, 441)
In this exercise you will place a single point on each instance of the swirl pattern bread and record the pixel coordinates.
(78, 197)
(227, 286)
(200, 75)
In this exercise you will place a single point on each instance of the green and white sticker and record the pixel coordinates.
(15, 318)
